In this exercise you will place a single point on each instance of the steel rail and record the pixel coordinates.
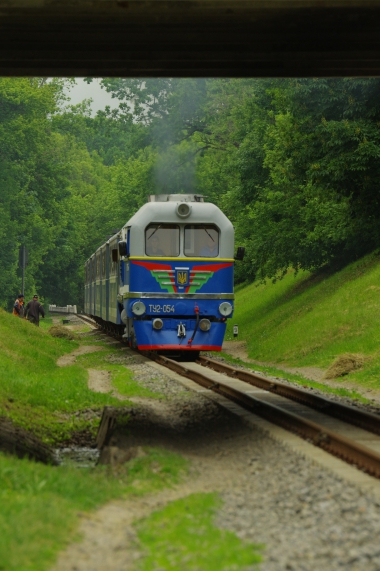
(87, 319)
(337, 445)
(340, 446)
(366, 420)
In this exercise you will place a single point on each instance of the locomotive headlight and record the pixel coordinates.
(183, 209)
(138, 308)
(225, 309)
(157, 324)
(204, 325)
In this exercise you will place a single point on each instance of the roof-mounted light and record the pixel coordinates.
(183, 209)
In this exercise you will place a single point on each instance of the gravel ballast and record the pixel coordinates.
(306, 518)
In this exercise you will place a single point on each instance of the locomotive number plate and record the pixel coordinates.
(161, 308)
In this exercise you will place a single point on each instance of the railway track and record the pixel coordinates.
(318, 420)
(87, 320)
(346, 432)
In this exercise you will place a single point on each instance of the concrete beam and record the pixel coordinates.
(190, 38)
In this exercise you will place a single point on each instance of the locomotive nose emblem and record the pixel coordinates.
(182, 277)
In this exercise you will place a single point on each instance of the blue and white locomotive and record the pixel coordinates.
(165, 281)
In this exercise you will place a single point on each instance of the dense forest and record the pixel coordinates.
(294, 163)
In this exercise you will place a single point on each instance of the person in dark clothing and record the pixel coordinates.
(33, 310)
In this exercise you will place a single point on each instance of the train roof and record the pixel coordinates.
(175, 209)
(176, 198)
(178, 208)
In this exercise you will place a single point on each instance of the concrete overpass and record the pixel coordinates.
(190, 38)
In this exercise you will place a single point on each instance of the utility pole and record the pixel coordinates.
(23, 262)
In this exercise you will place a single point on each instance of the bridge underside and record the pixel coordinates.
(190, 38)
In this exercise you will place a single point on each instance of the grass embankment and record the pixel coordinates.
(41, 397)
(34, 392)
(311, 319)
(40, 504)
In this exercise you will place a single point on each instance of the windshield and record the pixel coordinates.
(162, 240)
(202, 241)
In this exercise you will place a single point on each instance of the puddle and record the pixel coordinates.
(77, 456)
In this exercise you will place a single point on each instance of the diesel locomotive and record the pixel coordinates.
(165, 280)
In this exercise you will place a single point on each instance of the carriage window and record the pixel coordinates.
(113, 264)
(202, 241)
(162, 240)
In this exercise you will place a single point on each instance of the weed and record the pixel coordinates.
(345, 364)
(63, 332)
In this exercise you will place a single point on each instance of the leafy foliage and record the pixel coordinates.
(294, 164)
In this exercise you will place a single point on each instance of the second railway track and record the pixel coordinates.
(345, 431)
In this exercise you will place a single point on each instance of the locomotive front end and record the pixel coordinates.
(177, 275)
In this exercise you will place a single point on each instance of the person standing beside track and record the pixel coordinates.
(18, 308)
(33, 311)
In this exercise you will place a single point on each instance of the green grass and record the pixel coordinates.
(309, 320)
(35, 393)
(183, 536)
(83, 329)
(40, 504)
(121, 376)
(38, 395)
(46, 322)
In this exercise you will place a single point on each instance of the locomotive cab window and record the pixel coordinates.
(162, 240)
(201, 240)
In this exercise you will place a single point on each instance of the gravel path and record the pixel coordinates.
(307, 518)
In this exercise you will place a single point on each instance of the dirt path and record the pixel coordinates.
(238, 350)
(69, 358)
